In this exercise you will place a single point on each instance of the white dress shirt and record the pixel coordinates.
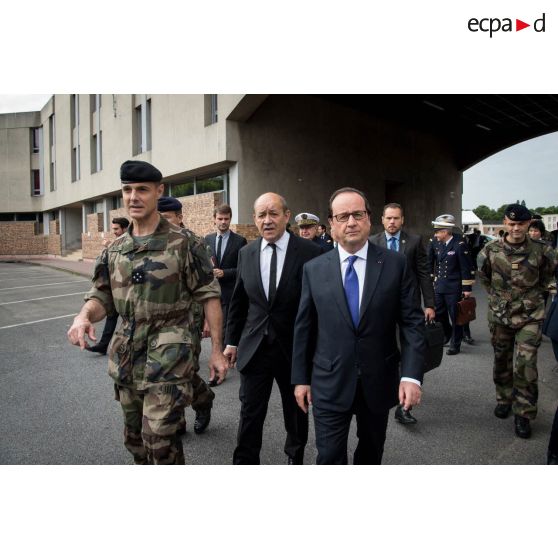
(265, 259)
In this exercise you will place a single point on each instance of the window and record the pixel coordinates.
(141, 126)
(96, 143)
(74, 124)
(52, 152)
(36, 182)
(36, 139)
(199, 185)
(186, 189)
(210, 109)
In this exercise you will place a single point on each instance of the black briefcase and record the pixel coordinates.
(434, 336)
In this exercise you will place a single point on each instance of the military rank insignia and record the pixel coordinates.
(138, 276)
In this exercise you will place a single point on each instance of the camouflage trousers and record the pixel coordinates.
(203, 395)
(151, 421)
(516, 383)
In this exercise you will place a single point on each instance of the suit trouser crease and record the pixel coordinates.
(256, 383)
(446, 311)
(332, 431)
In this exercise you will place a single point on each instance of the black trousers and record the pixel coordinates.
(256, 382)
(332, 433)
(446, 310)
(108, 331)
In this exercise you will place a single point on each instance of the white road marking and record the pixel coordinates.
(37, 321)
(45, 285)
(41, 298)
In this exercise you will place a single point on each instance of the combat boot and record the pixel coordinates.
(502, 410)
(522, 427)
(202, 420)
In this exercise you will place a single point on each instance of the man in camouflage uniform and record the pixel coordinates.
(515, 270)
(202, 398)
(150, 276)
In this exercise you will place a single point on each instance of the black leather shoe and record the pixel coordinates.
(453, 351)
(295, 461)
(202, 420)
(403, 416)
(212, 383)
(502, 410)
(101, 349)
(469, 340)
(522, 427)
(552, 459)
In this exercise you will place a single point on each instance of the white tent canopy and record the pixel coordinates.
(468, 217)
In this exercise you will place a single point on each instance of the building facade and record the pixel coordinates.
(59, 168)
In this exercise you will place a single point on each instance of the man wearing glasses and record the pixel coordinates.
(345, 353)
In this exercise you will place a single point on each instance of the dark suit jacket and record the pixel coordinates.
(229, 262)
(250, 315)
(412, 248)
(329, 353)
(452, 266)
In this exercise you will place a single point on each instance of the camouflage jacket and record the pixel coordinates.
(515, 277)
(152, 286)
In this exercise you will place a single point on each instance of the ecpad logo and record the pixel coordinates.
(492, 25)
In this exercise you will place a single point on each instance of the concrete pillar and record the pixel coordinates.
(233, 192)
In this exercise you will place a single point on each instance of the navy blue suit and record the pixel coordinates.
(355, 370)
(453, 275)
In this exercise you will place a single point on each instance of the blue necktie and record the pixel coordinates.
(351, 289)
(393, 243)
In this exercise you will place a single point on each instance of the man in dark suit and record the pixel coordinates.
(260, 327)
(224, 245)
(411, 246)
(345, 354)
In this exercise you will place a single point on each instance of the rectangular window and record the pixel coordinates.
(74, 125)
(36, 182)
(35, 139)
(141, 126)
(52, 151)
(210, 109)
(185, 189)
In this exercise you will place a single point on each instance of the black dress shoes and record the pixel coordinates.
(469, 340)
(522, 427)
(453, 351)
(212, 383)
(101, 349)
(502, 410)
(295, 461)
(202, 420)
(403, 416)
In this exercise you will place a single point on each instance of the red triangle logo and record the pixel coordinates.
(519, 25)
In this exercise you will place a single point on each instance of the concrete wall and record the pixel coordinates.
(305, 148)
(16, 162)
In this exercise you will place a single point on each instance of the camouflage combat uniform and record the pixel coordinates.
(515, 276)
(151, 358)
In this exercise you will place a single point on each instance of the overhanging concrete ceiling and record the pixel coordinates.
(476, 126)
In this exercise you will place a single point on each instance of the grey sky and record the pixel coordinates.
(22, 103)
(527, 171)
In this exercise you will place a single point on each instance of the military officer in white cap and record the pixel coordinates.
(453, 277)
(308, 227)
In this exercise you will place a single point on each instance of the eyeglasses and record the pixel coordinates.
(344, 217)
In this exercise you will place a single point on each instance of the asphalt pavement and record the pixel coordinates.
(57, 405)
